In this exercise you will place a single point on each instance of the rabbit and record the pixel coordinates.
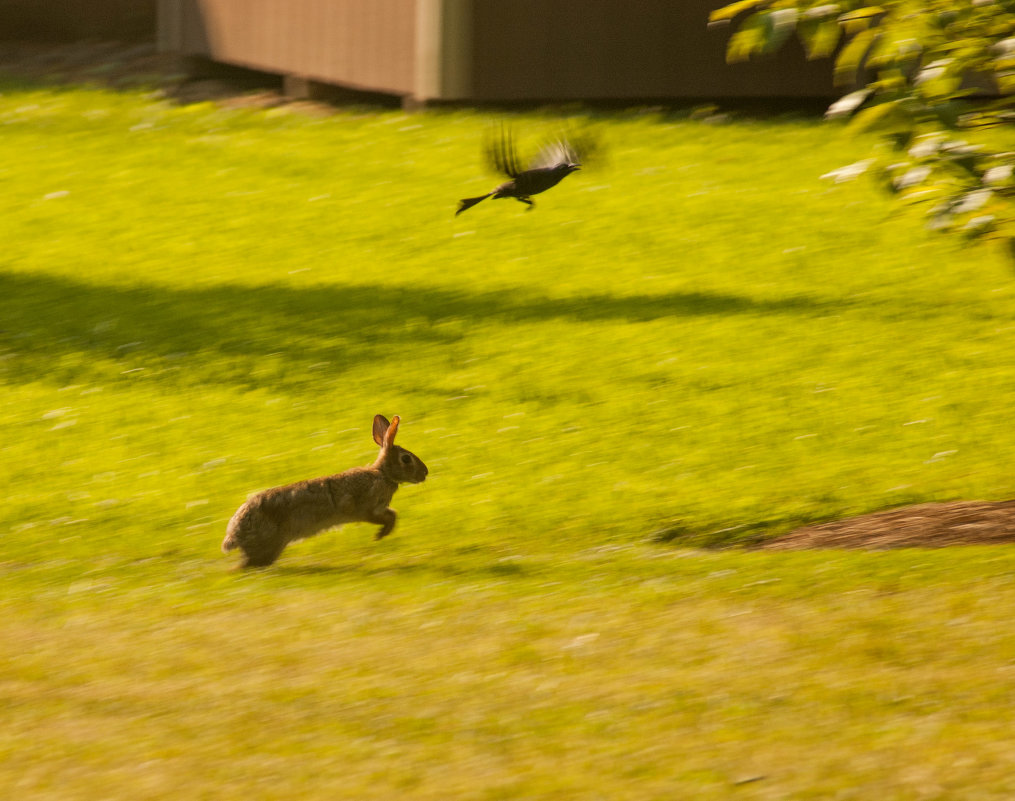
(273, 518)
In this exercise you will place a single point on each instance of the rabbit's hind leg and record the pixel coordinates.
(261, 553)
(260, 539)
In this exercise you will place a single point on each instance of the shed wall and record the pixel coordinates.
(365, 44)
(491, 50)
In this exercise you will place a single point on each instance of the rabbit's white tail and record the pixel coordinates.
(231, 541)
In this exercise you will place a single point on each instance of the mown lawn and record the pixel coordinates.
(700, 343)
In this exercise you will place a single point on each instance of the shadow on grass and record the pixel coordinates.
(48, 321)
(749, 535)
(744, 535)
(444, 569)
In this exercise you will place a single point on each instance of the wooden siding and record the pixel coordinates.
(491, 50)
(364, 44)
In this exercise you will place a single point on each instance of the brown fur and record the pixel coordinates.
(270, 520)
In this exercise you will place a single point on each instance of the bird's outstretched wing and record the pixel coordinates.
(575, 148)
(581, 147)
(500, 152)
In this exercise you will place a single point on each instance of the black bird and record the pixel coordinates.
(554, 162)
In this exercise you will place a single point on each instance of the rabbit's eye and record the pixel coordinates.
(406, 458)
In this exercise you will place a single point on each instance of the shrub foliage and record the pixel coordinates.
(935, 77)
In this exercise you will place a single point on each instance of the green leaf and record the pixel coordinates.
(819, 37)
(914, 176)
(845, 106)
(749, 40)
(972, 201)
(940, 87)
(979, 226)
(726, 13)
(823, 11)
(860, 20)
(779, 25)
(886, 118)
(862, 13)
(1005, 82)
(848, 64)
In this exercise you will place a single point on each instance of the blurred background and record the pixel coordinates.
(425, 51)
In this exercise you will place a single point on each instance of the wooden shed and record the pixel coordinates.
(489, 50)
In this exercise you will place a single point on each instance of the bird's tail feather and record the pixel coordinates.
(469, 202)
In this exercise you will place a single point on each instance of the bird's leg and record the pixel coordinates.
(528, 201)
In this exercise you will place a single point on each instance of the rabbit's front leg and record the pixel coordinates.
(386, 516)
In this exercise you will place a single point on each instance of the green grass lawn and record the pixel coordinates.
(700, 343)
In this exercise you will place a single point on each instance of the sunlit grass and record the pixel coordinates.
(698, 343)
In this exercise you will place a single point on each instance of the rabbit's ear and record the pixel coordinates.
(381, 425)
(389, 435)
